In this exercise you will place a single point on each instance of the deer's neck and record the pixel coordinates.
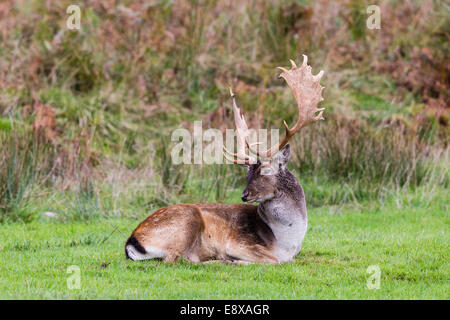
(286, 216)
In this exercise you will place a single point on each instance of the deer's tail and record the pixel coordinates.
(134, 250)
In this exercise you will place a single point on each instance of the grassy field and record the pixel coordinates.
(407, 240)
(86, 118)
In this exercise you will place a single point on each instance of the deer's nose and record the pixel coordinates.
(244, 196)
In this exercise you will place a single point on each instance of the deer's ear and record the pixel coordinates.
(283, 155)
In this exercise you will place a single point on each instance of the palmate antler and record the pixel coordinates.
(307, 92)
(242, 134)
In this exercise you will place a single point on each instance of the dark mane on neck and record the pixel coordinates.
(289, 185)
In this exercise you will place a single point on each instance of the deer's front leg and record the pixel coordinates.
(231, 262)
(252, 254)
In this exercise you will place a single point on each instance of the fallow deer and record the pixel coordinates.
(270, 232)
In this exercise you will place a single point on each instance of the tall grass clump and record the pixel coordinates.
(372, 159)
(26, 164)
(193, 183)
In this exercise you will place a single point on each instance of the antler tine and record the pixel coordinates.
(236, 155)
(230, 159)
(242, 134)
(307, 92)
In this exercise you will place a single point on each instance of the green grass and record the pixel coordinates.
(375, 172)
(408, 241)
(5, 124)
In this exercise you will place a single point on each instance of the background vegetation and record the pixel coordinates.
(86, 116)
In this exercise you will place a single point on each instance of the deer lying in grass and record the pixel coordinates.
(271, 232)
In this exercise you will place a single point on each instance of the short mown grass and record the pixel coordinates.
(86, 118)
(407, 239)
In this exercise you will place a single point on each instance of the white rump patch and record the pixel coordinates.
(152, 253)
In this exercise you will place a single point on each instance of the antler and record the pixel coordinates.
(307, 92)
(242, 134)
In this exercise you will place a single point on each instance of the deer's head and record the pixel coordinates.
(265, 179)
(267, 173)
